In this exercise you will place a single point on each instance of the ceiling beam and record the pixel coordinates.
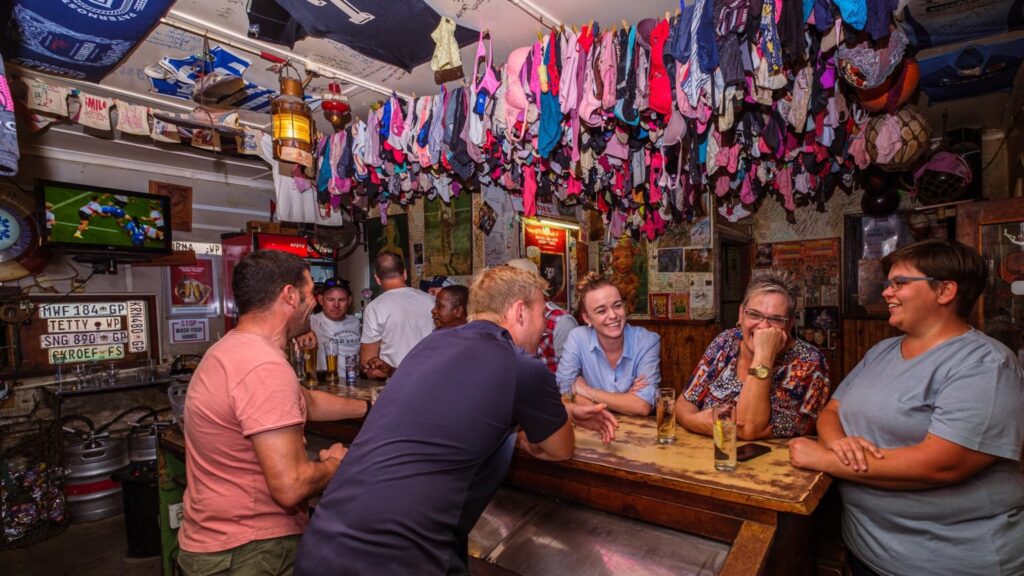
(545, 19)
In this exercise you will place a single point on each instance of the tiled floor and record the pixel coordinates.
(93, 549)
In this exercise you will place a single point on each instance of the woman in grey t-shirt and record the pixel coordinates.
(925, 433)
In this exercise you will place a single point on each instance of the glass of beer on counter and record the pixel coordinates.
(666, 411)
(724, 432)
(331, 357)
(309, 366)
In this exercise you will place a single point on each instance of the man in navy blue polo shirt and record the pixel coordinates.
(440, 439)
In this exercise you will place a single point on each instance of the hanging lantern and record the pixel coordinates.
(293, 124)
(335, 105)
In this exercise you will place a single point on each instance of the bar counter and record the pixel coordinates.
(762, 509)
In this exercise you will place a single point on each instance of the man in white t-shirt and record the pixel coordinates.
(334, 323)
(395, 321)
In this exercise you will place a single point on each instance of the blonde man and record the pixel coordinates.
(440, 439)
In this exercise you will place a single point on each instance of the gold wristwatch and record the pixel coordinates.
(760, 371)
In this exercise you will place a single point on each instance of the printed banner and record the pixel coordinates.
(928, 23)
(132, 119)
(164, 132)
(83, 39)
(44, 97)
(93, 111)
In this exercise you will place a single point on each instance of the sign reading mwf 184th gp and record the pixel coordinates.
(92, 331)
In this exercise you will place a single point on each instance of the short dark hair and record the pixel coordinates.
(945, 260)
(261, 276)
(388, 265)
(460, 295)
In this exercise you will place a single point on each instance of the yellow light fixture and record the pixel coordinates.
(293, 123)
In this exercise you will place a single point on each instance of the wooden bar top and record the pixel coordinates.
(768, 481)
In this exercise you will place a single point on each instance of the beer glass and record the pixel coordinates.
(724, 423)
(665, 408)
(309, 366)
(331, 356)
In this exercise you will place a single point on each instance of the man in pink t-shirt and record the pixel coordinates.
(248, 474)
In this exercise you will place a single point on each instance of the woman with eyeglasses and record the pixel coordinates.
(778, 382)
(925, 433)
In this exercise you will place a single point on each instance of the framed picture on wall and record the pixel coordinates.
(192, 289)
(996, 229)
(181, 203)
(659, 306)
(867, 240)
(390, 237)
(547, 246)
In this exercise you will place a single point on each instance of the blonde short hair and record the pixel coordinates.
(774, 281)
(495, 290)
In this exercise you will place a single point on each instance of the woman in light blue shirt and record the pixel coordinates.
(608, 361)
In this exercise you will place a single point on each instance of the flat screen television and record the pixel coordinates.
(90, 219)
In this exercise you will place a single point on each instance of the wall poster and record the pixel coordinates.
(548, 247)
(192, 289)
(626, 265)
(390, 237)
(448, 236)
(813, 263)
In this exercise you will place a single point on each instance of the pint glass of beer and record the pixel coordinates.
(309, 366)
(331, 357)
(666, 411)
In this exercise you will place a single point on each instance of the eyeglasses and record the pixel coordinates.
(898, 282)
(756, 317)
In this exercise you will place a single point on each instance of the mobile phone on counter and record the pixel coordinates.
(745, 452)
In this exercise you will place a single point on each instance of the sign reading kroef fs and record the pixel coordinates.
(85, 354)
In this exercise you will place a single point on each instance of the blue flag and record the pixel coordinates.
(971, 71)
(928, 23)
(83, 39)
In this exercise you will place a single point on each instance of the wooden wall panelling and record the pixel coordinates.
(682, 345)
(859, 335)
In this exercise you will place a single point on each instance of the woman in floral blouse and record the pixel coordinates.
(778, 382)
